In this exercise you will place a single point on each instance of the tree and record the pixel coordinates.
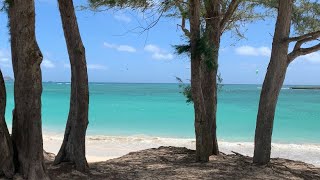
(73, 146)
(202, 128)
(218, 17)
(215, 18)
(304, 17)
(6, 149)
(26, 60)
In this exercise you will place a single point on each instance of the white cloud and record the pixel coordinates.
(126, 48)
(152, 48)
(97, 67)
(253, 51)
(47, 64)
(108, 45)
(122, 17)
(4, 55)
(90, 66)
(313, 57)
(158, 53)
(5, 58)
(123, 48)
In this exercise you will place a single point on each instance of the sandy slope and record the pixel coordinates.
(102, 148)
(178, 163)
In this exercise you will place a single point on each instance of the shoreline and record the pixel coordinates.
(102, 148)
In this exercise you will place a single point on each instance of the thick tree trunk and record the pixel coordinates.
(6, 149)
(272, 84)
(209, 69)
(202, 129)
(73, 147)
(209, 89)
(26, 60)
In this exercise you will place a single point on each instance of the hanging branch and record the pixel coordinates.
(231, 9)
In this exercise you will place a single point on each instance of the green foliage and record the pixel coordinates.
(135, 4)
(247, 12)
(306, 16)
(186, 88)
(219, 84)
(207, 52)
(182, 49)
(6, 4)
(203, 48)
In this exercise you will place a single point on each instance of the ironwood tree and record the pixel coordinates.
(26, 60)
(215, 18)
(304, 18)
(73, 146)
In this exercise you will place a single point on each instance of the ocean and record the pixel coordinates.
(160, 110)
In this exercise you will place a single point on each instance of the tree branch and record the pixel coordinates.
(183, 19)
(302, 51)
(313, 35)
(231, 9)
(183, 27)
(302, 41)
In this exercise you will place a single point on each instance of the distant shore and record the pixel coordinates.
(102, 148)
(305, 87)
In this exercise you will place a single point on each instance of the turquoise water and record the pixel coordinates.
(160, 110)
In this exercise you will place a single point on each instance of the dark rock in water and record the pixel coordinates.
(306, 87)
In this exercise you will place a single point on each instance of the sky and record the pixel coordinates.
(117, 50)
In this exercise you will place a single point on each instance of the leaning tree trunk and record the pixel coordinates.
(202, 129)
(73, 147)
(210, 68)
(272, 84)
(26, 60)
(6, 149)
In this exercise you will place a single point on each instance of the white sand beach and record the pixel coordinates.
(101, 148)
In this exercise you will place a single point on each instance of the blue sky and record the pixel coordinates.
(116, 54)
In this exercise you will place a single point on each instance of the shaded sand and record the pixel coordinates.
(179, 163)
(101, 148)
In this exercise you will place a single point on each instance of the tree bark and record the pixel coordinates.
(6, 149)
(26, 60)
(202, 129)
(73, 146)
(272, 84)
(209, 72)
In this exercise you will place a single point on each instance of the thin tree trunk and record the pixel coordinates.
(272, 84)
(73, 146)
(202, 129)
(6, 149)
(209, 69)
(26, 60)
